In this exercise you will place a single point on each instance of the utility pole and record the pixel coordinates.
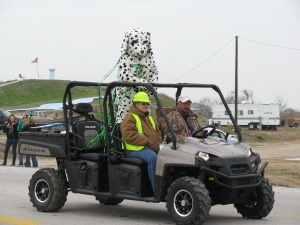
(236, 80)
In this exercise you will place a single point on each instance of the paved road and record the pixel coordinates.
(15, 207)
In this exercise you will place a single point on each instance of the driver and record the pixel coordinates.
(182, 119)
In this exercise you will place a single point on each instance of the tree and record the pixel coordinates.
(282, 102)
(230, 98)
(248, 95)
(206, 107)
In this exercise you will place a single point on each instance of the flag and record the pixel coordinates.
(35, 61)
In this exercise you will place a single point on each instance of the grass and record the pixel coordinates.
(283, 172)
(32, 93)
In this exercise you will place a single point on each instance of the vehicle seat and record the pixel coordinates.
(118, 141)
(86, 135)
(119, 157)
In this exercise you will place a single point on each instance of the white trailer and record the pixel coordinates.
(252, 115)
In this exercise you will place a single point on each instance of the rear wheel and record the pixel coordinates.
(48, 190)
(188, 201)
(251, 126)
(295, 125)
(260, 202)
(109, 200)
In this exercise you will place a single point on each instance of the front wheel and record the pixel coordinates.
(260, 202)
(188, 201)
(48, 190)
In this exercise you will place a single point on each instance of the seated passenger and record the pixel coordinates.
(141, 134)
(183, 121)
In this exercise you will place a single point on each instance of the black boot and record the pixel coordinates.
(3, 164)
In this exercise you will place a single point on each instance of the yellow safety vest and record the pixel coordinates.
(140, 131)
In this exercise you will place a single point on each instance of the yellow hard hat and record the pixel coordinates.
(141, 97)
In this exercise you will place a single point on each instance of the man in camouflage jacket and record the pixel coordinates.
(182, 119)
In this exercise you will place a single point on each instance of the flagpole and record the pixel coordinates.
(36, 60)
(37, 68)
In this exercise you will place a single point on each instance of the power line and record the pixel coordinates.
(262, 43)
(203, 61)
(257, 42)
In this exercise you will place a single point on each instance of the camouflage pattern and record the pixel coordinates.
(179, 127)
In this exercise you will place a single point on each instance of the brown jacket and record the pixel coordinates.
(179, 125)
(151, 138)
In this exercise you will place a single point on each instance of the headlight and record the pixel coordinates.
(249, 152)
(203, 155)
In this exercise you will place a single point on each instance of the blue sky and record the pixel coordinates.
(82, 41)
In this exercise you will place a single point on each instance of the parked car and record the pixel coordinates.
(221, 134)
(3, 117)
(4, 114)
(40, 117)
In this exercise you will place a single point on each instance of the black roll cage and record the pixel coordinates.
(68, 104)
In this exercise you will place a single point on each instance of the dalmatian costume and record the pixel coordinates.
(136, 65)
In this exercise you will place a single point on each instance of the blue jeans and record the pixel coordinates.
(20, 159)
(13, 143)
(150, 157)
(34, 161)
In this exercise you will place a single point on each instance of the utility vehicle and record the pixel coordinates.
(191, 176)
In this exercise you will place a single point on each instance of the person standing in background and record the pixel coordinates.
(25, 125)
(10, 129)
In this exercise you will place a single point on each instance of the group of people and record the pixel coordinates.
(11, 129)
(142, 135)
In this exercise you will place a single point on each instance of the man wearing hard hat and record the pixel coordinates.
(141, 133)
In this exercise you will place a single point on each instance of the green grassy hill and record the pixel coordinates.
(30, 93)
(33, 93)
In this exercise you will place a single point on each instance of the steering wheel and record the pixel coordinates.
(205, 134)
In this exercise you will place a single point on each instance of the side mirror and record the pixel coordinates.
(226, 136)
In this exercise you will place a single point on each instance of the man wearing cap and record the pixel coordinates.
(141, 134)
(182, 119)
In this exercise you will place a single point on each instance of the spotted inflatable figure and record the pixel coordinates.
(136, 65)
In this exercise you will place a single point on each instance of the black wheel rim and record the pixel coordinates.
(41, 190)
(252, 202)
(183, 203)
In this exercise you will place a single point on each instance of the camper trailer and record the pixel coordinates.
(255, 116)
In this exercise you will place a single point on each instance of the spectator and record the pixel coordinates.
(25, 125)
(10, 128)
(183, 121)
(141, 134)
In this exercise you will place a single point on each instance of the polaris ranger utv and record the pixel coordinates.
(191, 176)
